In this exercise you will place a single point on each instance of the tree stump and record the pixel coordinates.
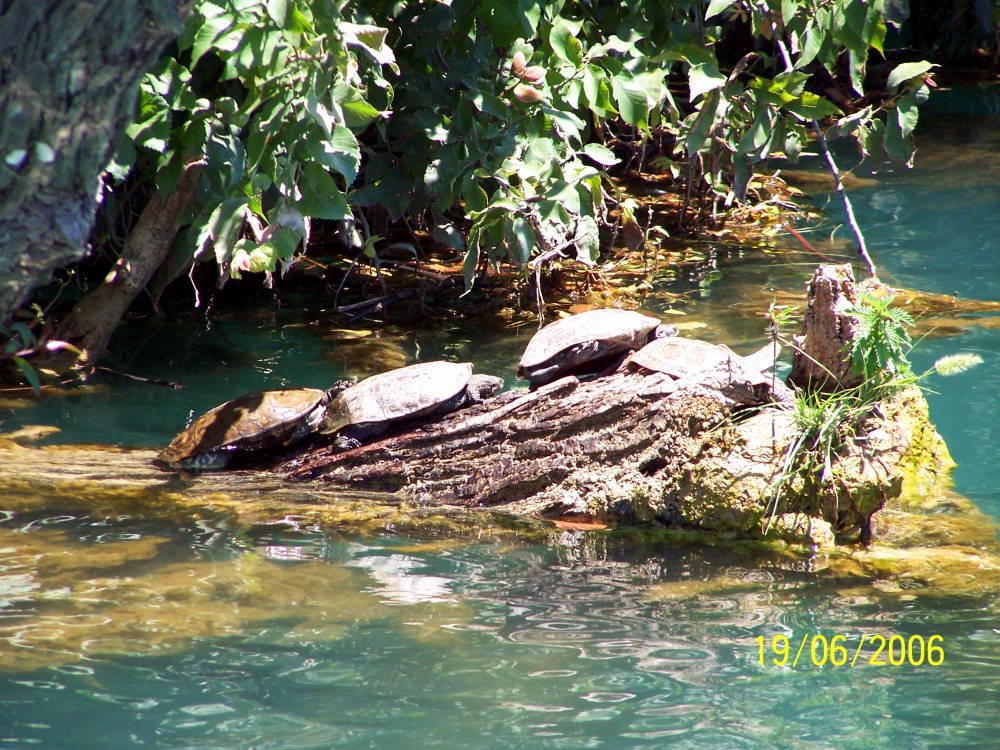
(820, 361)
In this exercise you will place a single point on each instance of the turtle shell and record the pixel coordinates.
(712, 365)
(680, 357)
(254, 422)
(405, 393)
(571, 342)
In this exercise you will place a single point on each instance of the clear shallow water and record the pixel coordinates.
(128, 631)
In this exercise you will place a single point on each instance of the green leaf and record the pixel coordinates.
(358, 114)
(210, 30)
(321, 198)
(341, 153)
(564, 43)
(811, 106)
(520, 240)
(587, 237)
(224, 226)
(601, 154)
(702, 124)
(871, 137)
(899, 129)
(597, 91)
(907, 72)
(507, 20)
(121, 163)
(567, 123)
(788, 10)
(471, 263)
(152, 124)
(716, 7)
(757, 134)
(565, 195)
(907, 113)
(704, 77)
(632, 100)
(281, 245)
(473, 195)
(875, 28)
(811, 44)
(278, 11)
(29, 374)
(370, 39)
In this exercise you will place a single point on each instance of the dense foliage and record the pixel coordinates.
(491, 124)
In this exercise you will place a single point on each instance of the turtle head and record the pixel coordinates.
(664, 330)
(338, 387)
(482, 387)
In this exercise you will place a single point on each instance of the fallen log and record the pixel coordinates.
(636, 448)
(709, 452)
(640, 448)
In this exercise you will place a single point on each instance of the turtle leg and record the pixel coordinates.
(338, 387)
(346, 443)
(356, 435)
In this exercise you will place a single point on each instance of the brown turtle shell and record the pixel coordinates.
(254, 422)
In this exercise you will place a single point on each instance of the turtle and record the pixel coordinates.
(714, 365)
(366, 410)
(586, 343)
(251, 425)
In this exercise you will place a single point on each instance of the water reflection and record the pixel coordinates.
(285, 636)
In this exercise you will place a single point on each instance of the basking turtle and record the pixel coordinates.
(586, 342)
(252, 424)
(713, 365)
(369, 408)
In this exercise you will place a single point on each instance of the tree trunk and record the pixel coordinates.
(69, 70)
(90, 324)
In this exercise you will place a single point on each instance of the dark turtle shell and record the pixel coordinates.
(571, 343)
(253, 423)
(407, 393)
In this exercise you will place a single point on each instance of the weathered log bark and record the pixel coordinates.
(68, 77)
(92, 321)
(820, 361)
(629, 447)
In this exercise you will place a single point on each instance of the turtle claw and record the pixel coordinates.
(345, 443)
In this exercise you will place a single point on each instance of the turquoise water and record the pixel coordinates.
(126, 630)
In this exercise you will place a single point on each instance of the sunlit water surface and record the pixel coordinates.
(121, 631)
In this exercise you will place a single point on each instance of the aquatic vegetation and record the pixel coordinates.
(828, 421)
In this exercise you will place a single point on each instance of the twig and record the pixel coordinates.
(835, 173)
(805, 243)
(140, 379)
(375, 304)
